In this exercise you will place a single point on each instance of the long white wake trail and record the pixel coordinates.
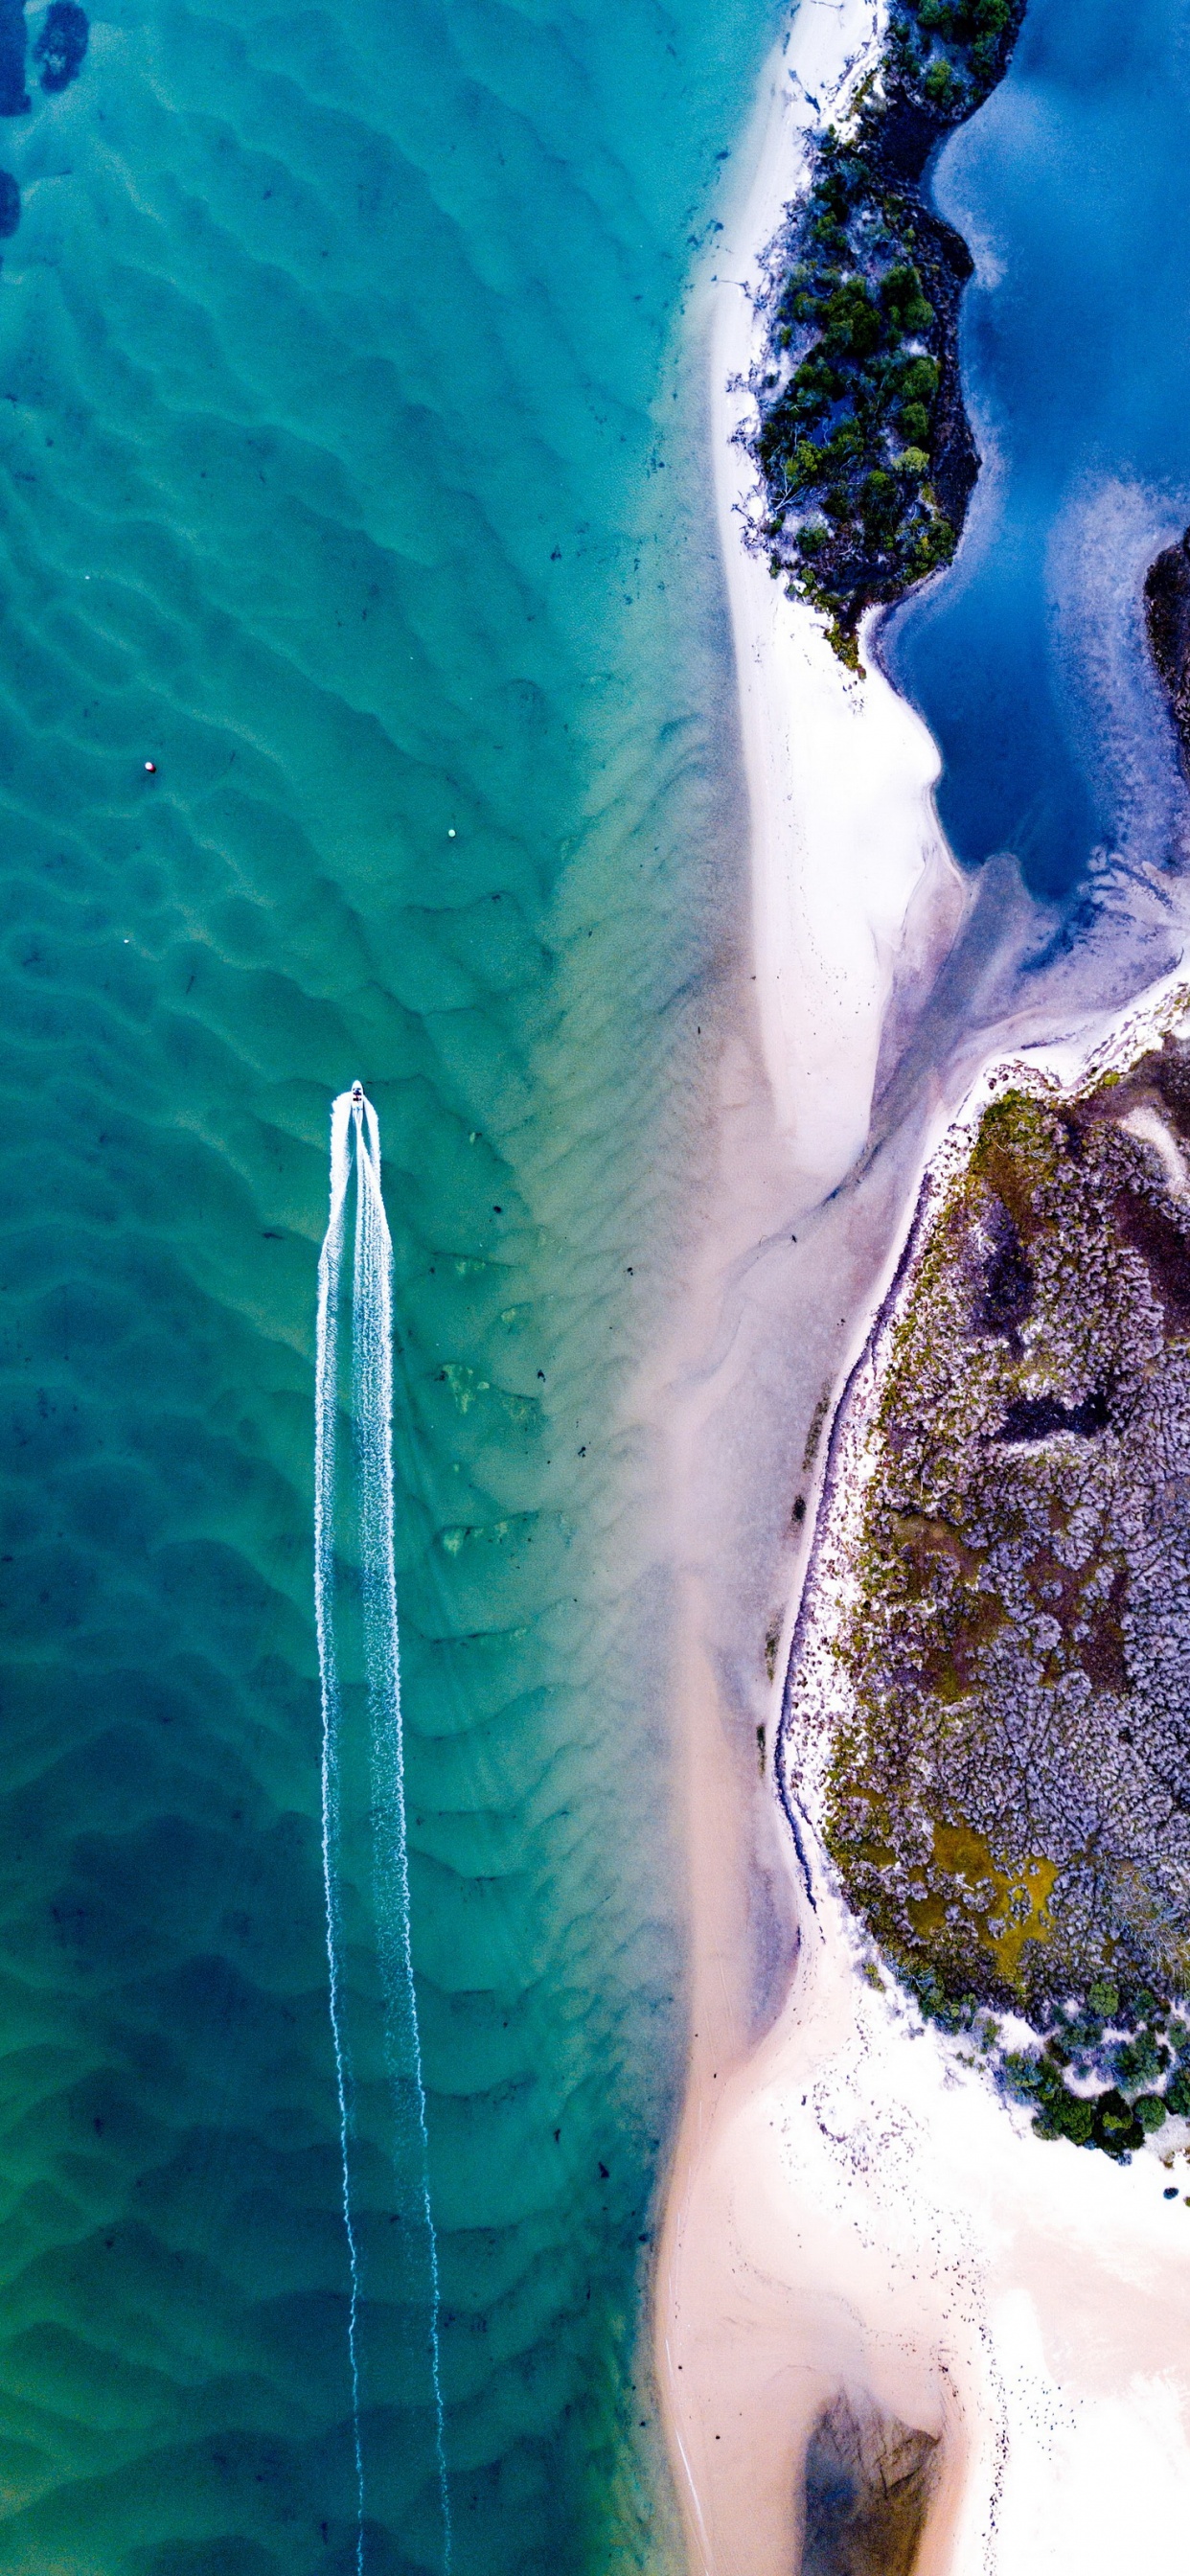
(355, 1136)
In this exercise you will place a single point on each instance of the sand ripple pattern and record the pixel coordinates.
(348, 476)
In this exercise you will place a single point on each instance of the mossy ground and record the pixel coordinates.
(1007, 1796)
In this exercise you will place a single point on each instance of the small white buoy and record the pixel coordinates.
(452, 835)
(151, 767)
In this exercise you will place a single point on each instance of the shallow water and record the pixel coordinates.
(353, 476)
(1029, 660)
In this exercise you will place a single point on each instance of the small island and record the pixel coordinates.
(985, 1713)
(863, 444)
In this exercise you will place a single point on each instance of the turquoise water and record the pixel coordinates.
(352, 475)
(1029, 660)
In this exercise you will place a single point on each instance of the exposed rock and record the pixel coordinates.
(1167, 609)
(869, 2480)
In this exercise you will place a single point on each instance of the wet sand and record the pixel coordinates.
(849, 2210)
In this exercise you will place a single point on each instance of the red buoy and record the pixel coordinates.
(151, 767)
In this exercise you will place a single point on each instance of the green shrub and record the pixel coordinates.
(1066, 2116)
(1136, 2063)
(858, 324)
(935, 545)
(919, 380)
(901, 285)
(903, 299)
(851, 320)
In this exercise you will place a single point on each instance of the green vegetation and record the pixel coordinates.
(863, 443)
(999, 1697)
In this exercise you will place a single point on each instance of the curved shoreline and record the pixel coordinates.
(832, 762)
(793, 2263)
(863, 440)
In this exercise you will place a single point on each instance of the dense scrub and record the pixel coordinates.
(1005, 1788)
(863, 444)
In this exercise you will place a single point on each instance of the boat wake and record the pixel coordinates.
(355, 1145)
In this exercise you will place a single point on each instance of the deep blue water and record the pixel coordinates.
(1028, 660)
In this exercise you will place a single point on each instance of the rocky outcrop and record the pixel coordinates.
(1167, 613)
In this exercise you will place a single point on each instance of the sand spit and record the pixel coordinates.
(869, 2221)
(866, 2258)
(857, 2219)
(834, 763)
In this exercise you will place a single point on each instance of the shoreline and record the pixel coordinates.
(831, 761)
(1071, 1062)
(855, 903)
(820, 2230)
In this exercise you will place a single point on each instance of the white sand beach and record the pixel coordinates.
(850, 2209)
(854, 890)
(854, 2210)
(865, 2216)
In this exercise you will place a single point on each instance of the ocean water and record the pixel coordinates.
(1029, 660)
(352, 474)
